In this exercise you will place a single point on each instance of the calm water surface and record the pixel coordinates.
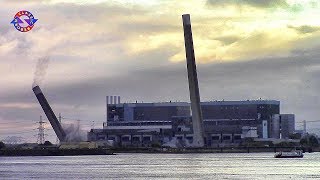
(162, 166)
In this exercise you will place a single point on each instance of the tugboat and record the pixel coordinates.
(292, 154)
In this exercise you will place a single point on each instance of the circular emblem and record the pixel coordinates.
(23, 21)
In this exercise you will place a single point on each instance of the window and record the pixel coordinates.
(146, 139)
(125, 138)
(226, 137)
(216, 138)
(112, 138)
(237, 137)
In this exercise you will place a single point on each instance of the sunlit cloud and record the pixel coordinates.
(223, 30)
(108, 42)
(18, 105)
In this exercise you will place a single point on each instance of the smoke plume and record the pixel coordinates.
(41, 70)
(74, 132)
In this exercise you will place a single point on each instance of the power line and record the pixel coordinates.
(41, 133)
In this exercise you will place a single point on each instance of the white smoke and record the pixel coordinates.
(74, 132)
(41, 70)
(172, 144)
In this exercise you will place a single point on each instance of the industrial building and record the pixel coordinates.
(194, 124)
(224, 123)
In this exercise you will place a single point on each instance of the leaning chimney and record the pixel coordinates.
(198, 135)
(50, 114)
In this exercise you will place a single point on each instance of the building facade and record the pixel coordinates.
(287, 125)
(224, 122)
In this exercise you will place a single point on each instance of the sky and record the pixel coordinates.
(245, 49)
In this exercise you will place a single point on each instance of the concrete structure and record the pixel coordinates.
(275, 126)
(224, 122)
(193, 83)
(113, 99)
(214, 123)
(265, 129)
(50, 114)
(287, 123)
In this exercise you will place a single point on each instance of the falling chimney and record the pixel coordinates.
(50, 114)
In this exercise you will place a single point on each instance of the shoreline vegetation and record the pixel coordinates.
(112, 151)
(306, 144)
(213, 150)
(54, 152)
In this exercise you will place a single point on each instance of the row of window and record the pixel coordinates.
(148, 123)
(135, 139)
(216, 138)
(225, 138)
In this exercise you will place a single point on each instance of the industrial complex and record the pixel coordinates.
(194, 124)
(184, 124)
(224, 123)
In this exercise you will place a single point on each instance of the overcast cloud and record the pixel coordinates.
(245, 50)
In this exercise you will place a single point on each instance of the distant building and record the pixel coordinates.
(287, 123)
(275, 126)
(224, 122)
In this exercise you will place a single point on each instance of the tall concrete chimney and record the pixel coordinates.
(107, 102)
(50, 114)
(111, 99)
(198, 136)
(118, 99)
(115, 99)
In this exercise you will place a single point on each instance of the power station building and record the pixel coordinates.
(224, 122)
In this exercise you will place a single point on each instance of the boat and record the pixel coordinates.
(292, 154)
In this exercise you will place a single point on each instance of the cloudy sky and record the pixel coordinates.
(245, 49)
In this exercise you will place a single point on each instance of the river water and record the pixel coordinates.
(162, 166)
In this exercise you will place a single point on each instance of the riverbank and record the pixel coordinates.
(112, 151)
(54, 152)
(212, 150)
